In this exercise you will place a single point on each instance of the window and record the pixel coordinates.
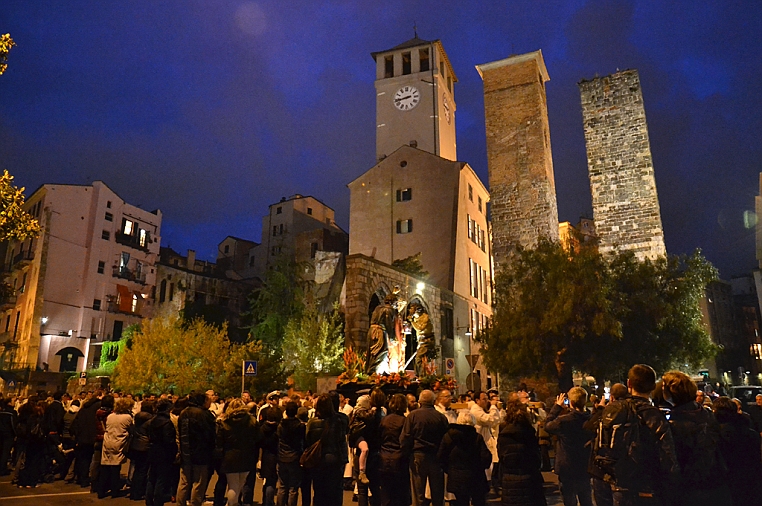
(482, 241)
(449, 83)
(163, 291)
(101, 267)
(389, 65)
(97, 304)
(275, 230)
(313, 249)
(171, 291)
(404, 195)
(279, 210)
(109, 217)
(134, 307)
(227, 248)
(309, 211)
(108, 204)
(128, 227)
(423, 55)
(251, 261)
(404, 226)
(23, 284)
(106, 235)
(7, 322)
(142, 237)
(474, 276)
(124, 259)
(470, 227)
(280, 229)
(470, 193)
(406, 66)
(480, 204)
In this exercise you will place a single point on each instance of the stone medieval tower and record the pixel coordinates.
(522, 187)
(625, 204)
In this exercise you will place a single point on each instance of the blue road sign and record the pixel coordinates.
(11, 384)
(249, 367)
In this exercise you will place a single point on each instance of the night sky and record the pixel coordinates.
(213, 109)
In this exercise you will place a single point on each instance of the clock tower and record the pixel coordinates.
(414, 99)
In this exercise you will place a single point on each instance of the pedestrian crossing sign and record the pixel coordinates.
(249, 367)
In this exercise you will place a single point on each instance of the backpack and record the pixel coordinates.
(618, 452)
(702, 461)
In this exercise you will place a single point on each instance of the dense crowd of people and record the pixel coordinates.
(650, 442)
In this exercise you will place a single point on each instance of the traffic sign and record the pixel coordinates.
(11, 385)
(449, 366)
(249, 367)
(472, 360)
(83, 375)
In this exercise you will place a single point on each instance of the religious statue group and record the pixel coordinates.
(390, 324)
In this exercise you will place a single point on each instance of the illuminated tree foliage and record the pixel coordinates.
(6, 43)
(15, 223)
(558, 310)
(313, 344)
(412, 265)
(169, 356)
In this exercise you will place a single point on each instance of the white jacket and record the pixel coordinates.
(485, 423)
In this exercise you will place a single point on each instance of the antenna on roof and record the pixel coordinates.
(415, 29)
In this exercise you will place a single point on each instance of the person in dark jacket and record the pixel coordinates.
(83, 429)
(197, 431)
(327, 426)
(269, 444)
(696, 434)
(572, 451)
(290, 448)
(465, 457)
(67, 441)
(105, 409)
(139, 450)
(237, 438)
(394, 469)
(519, 451)
(32, 441)
(420, 440)
(162, 449)
(740, 447)
(8, 421)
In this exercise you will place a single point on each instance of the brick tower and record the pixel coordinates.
(522, 187)
(625, 204)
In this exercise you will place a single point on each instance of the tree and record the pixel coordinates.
(15, 223)
(412, 265)
(6, 43)
(166, 355)
(313, 344)
(558, 310)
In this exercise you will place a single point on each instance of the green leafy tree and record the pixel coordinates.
(313, 344)
(412, 265)
(167, 354)
(6, 43)
(15, 223)
(558, 310)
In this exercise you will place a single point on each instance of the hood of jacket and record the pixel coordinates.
(462, 434)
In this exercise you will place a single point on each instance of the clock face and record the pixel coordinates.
(446, 107)
(406, 98)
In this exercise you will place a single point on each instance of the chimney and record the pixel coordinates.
(191, 260)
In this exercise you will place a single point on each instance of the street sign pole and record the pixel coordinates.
(243, 376)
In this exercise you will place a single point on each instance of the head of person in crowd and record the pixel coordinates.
(74, 406)
(343, 400)
(398, 404)
(618, 391)
(738, 403)
(198, 399)
(123, 405)
(699, 397)
(427, 398)
(377, 398)
(235, 404)
(303, 414)
(593, 399)
(482, 400)
(246, 396)
(66, 397)
(274, 415)
(466, 418)
(107, 402)
(324, 407)
(678, 388)
(164, 406)
(334, 396)
(291, 408)
(412, 403)
(444, 398)
(516, 411)
(641, 380)
(577, 398)
(363, 402)
(273, 398)
(758, 400)
(180, 405)
(724, 406)
(148, 406)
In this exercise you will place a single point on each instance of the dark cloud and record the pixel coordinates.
(211, 110)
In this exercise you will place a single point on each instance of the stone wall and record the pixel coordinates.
(625, 203)
(522, 186)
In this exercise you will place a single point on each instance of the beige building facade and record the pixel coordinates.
(88, 276)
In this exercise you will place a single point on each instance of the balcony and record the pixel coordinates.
(21, 260)
(129, 275)
(133, 241)
(7, 302)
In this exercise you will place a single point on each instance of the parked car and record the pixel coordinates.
(747, 394)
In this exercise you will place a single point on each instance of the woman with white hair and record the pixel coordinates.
(464, 456)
